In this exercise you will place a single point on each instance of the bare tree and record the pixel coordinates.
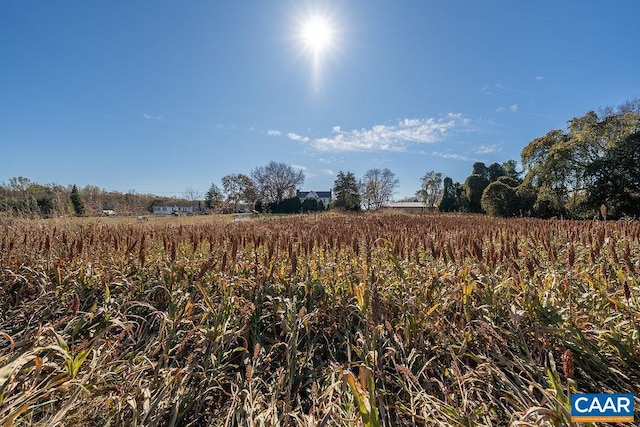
(276, 181)
(377, 187)
(431, 191)
(191, 193)
(92, 200)
(238, 187)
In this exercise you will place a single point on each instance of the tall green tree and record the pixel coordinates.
(494, 171)
(431, 190)
(509, 168)
(474, 186)
(616, 179)
(547, 162)
(479, 168)
(213, 198)
(454, 198)
(346, 192)
(76, 201)
(500, 199)
(238, 187)
(45, 199)
(572, 171)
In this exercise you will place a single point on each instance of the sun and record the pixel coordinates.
(317, 34)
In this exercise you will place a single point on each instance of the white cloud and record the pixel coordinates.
(497, 88)
(152, 117)
(539, 78)
(327, 172)
(390, 137)
(452, 156)
(296, 137)
(302, 168)
(487, 149)
(513, 108)
(221, 126)
(331, 159)
(468, 157)
(486, 90)
(273, 132)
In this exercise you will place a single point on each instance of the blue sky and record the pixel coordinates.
(160, 95)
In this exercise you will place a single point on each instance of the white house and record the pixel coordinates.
(178, 208)
(321, 196)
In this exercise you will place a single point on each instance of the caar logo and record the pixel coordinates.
(602, 407)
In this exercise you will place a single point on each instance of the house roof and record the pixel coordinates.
(177, 204)
(320, 194)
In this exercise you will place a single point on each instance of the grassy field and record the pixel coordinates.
(318, 320)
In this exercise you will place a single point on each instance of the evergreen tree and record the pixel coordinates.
(347, 195)
(288, 206)
(495, 171)
(450, 200)
(310, 205)
(479, 180)
(474, 187)
(500, 197)
(213, 198)
(78, 204)
(509, 168)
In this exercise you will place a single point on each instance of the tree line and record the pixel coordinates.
(273, 188)
(568, 173)
(594, 162)
(25, 198)
(592, 166)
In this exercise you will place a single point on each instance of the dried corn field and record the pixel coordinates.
(328, 320)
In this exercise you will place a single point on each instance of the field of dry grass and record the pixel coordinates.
(319, 320)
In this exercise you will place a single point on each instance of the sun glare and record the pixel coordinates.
(317, 35)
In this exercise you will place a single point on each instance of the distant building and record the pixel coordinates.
(178, 208)
(320, 196)
(410, 207)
